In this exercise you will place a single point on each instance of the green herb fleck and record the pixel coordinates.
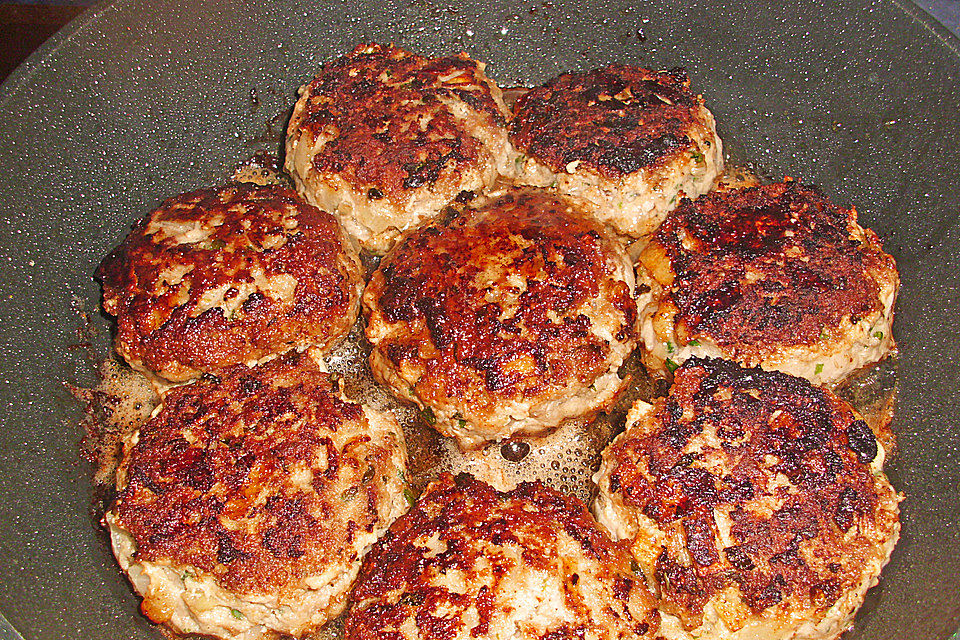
(672, 366)
(673, 199)
(461, 423)
(236, 613)
(408, 494)
(818, 369)
(519, 162)
(694, 343)
(348, 494)
(697, 156)
(823, 335)
(878, 335)
(428, 416)
(670, 348)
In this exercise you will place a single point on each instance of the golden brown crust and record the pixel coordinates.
(217, 277)
(616, 120)
(261, 478)
(514, 301)
(761, 268)
(493, 541)
(390, 132)
(767, 482)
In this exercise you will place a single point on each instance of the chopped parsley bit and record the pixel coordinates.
(823, 335)
(348, 494)
(694, 343)
(878, 335)
(408, 494)
(697, 156)
(236, 613)
(519, 162)
(672, 366)
(461, 423)
(818, 369)
(553, 185)
(428, 416)
(670, 348)
(673, 199)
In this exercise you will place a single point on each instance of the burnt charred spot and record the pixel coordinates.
(849, 505)
(862, 441)
(226, 551)
(740, 560)
(626, 160)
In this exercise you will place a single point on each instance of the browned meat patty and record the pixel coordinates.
(231, 275)
(386, 138)
(246, 503)
(504, 318)
(756, 503)
(469, 562)
(629, 140)
(775, 276)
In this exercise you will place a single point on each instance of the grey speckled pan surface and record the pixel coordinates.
(136, 102)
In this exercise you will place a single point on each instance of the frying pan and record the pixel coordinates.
(138, 101)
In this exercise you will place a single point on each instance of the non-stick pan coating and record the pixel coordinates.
(139, 101)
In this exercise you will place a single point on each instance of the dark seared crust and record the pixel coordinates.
(789, 545)
(235, 451)
(475, 523)
(373, 103)
(164, 327)
(770, 265)
(546, 259)
(616, 120)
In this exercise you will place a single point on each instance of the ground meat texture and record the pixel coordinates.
(230, 275)
(471, 562)
(387, 138)
(751, 503)
(246, 503)
(774, 276)
(503, 317)
(629, 140)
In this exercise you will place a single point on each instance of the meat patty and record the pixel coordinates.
(629, 140)
(387, 138)
(756, 503)
(503, 318)
(470, 562)
(246, 503)
(230, 275)
(775, 276)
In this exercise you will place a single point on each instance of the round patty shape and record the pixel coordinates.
(629, 140)
(471, 563)
(246, 503)
(231, 275)
(505, 318)
(773, 276)
(756, 503)
(386, 139)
